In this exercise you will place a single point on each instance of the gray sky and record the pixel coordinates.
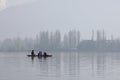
(18, 2)
(83, 15)
(9, 3)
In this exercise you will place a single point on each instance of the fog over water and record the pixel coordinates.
(68, 56)
(62, 66)
(83, 15)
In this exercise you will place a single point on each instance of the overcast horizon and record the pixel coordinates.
(64, 15)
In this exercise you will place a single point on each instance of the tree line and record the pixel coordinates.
(55, 41)
(44, 41)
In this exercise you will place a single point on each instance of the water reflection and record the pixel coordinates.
(100, 64)
(62, 66)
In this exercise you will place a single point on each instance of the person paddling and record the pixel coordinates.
(32, 53)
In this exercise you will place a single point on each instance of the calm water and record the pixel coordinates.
(62, 66)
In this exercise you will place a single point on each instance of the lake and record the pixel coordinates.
(62, 66)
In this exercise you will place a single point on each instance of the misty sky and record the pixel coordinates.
(83, 15)
(13, 2)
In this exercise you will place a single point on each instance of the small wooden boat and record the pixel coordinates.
(39, 56)
(32, 55)
(47, 56)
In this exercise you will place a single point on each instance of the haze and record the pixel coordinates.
(63, 15)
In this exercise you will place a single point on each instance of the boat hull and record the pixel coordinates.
(39, 56)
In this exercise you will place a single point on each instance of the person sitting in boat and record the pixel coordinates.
(45, 54)
(40, 54)
(32, 53)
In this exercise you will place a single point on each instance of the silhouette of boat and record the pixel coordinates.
(32, 55)
(39, 56)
